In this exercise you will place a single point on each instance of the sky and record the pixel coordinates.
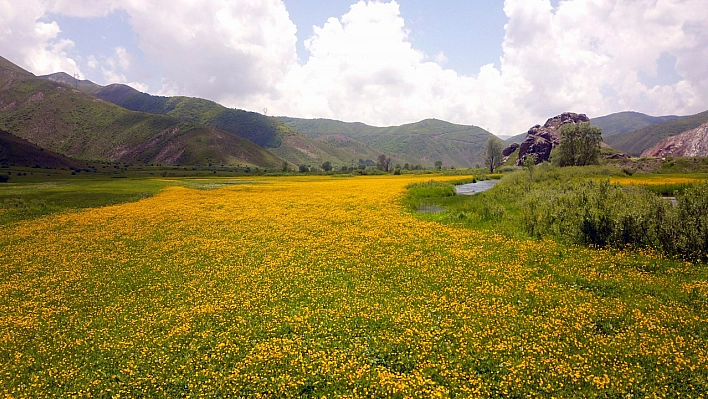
(501, 65)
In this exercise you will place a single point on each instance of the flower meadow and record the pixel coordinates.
(328, 287)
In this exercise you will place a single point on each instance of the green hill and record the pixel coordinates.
(268, 132)
(625, 122)
(83, 85)
(518, 139)
(60, 118)
(423, 142)
(635, 142)
(15, 151)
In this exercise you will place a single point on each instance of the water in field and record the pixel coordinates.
(475, 188)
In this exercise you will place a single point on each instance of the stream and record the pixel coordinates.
(475, 188)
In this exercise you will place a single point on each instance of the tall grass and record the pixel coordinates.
(581, 206)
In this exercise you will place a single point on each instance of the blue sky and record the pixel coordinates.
(502, 65)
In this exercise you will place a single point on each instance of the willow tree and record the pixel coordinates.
(493, 153)
(579, 144)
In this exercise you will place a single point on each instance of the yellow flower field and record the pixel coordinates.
(641, 180)
(325, 287)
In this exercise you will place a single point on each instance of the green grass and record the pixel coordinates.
(22, 201)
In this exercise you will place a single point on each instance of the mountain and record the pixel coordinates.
(692, 143)
(635, 142)
(83, 85)
(71, 122)
(268, 132)
(20, 152)
(516, 139)
(625, 122)
(425, 142)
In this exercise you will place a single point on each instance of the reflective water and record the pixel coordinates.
(475, 188)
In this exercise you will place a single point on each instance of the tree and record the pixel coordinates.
(285, 166)
(384, 162)
(579, 144)
(326, 166)
(438, 165)
(529, 163)
(303, 168)
(493, 153)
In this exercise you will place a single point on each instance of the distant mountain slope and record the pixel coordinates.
(83, 85)
(624, 122)
(426, 141)
(262, 130)
(635, 142)
(70, 122)
(20, 152)
(516, 139)
(8, 68)
(268, 132)
(692, 143)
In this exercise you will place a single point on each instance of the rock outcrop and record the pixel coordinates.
(540, 140)
(692, 143)
(509, 151)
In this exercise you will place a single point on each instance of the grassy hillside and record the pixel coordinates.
(262, 130)
(625, 122)
(15, 151)
(70, 122)
(83, 85)
(426, 141)
(270, 133)
(639, 140)
(518, 139)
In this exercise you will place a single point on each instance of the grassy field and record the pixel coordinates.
(328, 287)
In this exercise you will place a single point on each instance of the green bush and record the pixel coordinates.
(606, 215)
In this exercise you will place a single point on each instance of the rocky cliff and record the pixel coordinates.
(540, 140)
(692, 143)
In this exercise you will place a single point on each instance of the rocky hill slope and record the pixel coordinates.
(68, 121)
(692, 143)
(637, 141)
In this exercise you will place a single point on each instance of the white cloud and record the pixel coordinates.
(584, 56)
(32, 43)
(441, 59)
(574, 56)
(118, 66)
(92, 62)
(590, 56)
(229, 51)
(363, 67)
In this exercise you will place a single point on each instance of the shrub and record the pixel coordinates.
(606, 215)
(4, 178)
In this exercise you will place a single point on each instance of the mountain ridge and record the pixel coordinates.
(635, 142)
(73, 123)
(428, 140)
